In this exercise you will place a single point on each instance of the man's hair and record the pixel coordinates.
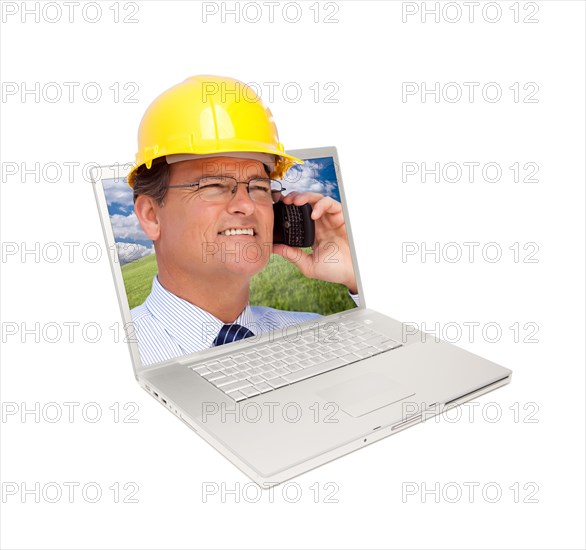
(153, 181)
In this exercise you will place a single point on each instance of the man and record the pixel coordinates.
(204, 193)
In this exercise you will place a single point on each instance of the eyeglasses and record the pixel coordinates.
(222, 188)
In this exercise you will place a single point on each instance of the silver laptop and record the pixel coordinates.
(290, 397)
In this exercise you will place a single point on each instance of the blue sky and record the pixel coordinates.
(131, 241)
(316, 175)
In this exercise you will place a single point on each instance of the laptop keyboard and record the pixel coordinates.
(281, 363)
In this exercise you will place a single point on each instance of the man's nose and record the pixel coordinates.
(240, 200)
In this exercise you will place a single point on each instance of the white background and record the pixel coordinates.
(368, 53)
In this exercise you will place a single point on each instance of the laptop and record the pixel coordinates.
(297, 395)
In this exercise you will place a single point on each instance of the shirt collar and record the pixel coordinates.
(193, 328)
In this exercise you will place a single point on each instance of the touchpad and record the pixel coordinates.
(366, 393)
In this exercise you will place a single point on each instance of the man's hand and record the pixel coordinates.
(330, 259)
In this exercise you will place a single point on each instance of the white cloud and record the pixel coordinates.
(118, 191)
(127, 228)
(304, 178)
(128, 252)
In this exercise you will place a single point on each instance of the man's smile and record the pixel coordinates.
(232, 231)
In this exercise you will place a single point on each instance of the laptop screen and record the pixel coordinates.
(204, 269)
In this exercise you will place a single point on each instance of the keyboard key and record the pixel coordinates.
(361, 345)
(315, 370)
(389, 345)
(349, 358)
(256, 380)
(214, 366)
(203, 371)
(216, 381)
(269, 375)
(233, 386)
(263, 387)
(227, 363)
(221, 382)
(377, 340)
(298, 366)
(252, 355)
(237, 396)
(229, 371)
(254, 372)
(213, 376)
(266, 368)
(264, 352)
(241, 375)
(277, 382)
(282, 371)
(250, 391)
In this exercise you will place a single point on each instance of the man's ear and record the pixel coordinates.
(147, 212)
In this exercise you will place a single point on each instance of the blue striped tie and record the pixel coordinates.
(232, 333)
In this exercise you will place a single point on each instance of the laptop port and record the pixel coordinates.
(164, 400)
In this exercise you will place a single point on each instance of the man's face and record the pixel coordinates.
(192, 231)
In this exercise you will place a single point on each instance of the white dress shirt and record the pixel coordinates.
(167, 326)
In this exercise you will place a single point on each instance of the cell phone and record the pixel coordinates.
(293, 225)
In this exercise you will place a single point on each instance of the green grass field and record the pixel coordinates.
(280, 285)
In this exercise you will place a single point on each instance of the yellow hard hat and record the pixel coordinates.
(207, 115)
